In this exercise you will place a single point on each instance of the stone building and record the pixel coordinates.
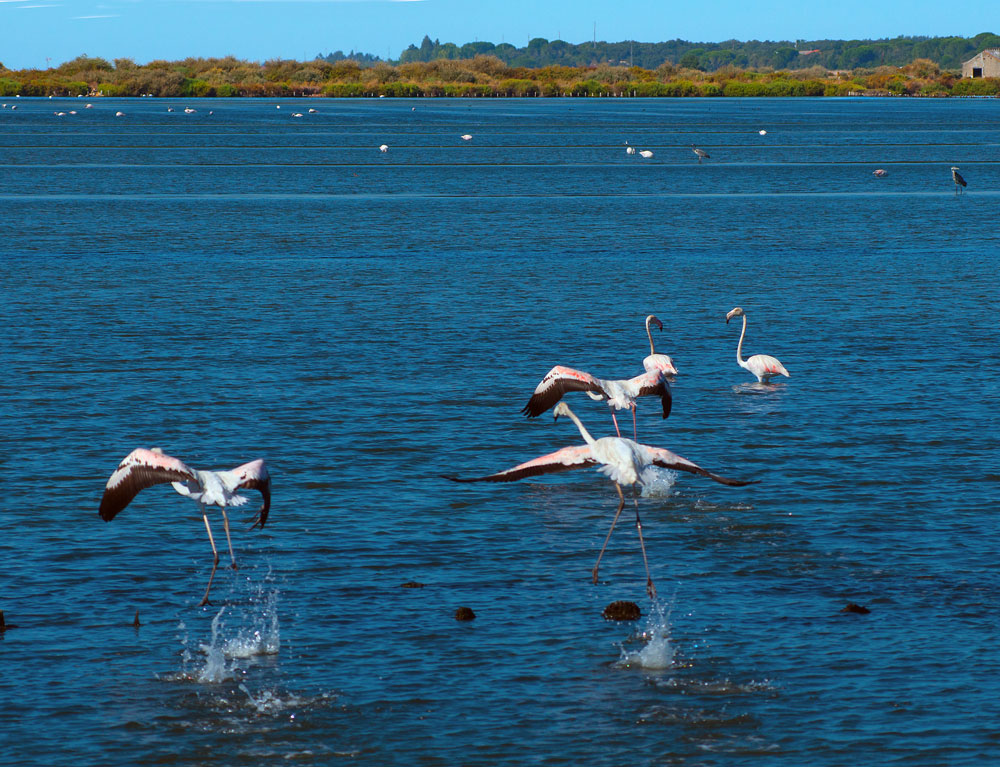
(983, 64)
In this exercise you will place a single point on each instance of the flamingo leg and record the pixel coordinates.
(215, 563)
(621, 505)
(635, 434)
(650, 588)
(616, 423)
(225, 524)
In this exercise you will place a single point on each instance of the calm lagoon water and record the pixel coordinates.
(248, 284)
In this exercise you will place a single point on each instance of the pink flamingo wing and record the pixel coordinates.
(140, 469)
(561, 460)
(666, 459)
(555, 384)
(254, 476)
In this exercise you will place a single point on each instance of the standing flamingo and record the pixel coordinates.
(620, 394)
(144, 468)
(764, 366)
(622, 460)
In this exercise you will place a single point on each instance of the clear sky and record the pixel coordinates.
(34, 33)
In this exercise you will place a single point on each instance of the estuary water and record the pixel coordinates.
(238, 282)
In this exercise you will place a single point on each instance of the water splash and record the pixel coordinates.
(658, 652)
(657, 482)
(240, 631)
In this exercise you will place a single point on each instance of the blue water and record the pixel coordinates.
(247, 284)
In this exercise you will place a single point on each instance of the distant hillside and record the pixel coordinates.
(948, 52)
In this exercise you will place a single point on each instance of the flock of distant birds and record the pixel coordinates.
(625, 461)
(701, 154)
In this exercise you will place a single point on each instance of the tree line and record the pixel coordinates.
(480, 76)
(948, 52)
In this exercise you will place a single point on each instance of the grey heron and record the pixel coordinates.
(960, 182)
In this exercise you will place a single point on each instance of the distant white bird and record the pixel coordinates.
(466, 137)
(296, 114)
(762, 132)
(59, 114)
(630, 150)
(278, 106)
(702, 154)
(189, 111)
(960, 183)
(763, 366)
(144, 468)
(313, 111)
(646, 153)
(623, 461)
(13, 107)
(72, 111)
(89, 106)
(880, 173)
(119, 114)
(384, 148)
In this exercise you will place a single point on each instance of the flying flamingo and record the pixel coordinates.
(144, 468)
(620, 394)
(764, 366)
(622, 460)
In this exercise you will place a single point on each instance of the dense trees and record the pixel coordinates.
(949, 52)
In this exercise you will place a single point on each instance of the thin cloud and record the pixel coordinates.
(99, 16)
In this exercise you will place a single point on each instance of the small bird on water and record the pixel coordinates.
(960, 182)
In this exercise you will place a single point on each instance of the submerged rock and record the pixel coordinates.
(622, 610)
(853, 608)
(464, 614)
(412, 585)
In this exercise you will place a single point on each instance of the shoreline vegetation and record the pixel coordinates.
(483, 75)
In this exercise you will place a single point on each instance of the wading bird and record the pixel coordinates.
(880, 173)
(630, 150)
(384, 148)
(960, 182)
(702, 154)
(144, 468)
(645, 153)
(466, 137)
(620, 394)
(763, 366)
(623, 461)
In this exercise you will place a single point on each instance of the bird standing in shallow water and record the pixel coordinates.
(764, 366)
(624, 461)
(960, 182)
(702, 154)
(144, 468)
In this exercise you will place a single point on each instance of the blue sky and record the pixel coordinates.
(36, 33)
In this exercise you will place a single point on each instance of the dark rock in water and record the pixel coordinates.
(853, 608)
(412, 585)
(622, 610)
(464, 614)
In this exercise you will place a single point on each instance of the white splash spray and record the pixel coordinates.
(658, 652)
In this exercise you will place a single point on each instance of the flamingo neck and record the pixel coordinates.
(739, 346)
(583, 429)
(649, 333)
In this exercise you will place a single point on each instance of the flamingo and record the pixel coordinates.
(465, 137)
(702, 154)
(960, 182)
(630, 150)
(144, 468)
(880, 173)
(646, 154)
(619, 394)
(622, 460)
(384, 148)
(764, 366)
(762, 132)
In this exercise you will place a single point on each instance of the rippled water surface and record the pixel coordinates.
(239, 283)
